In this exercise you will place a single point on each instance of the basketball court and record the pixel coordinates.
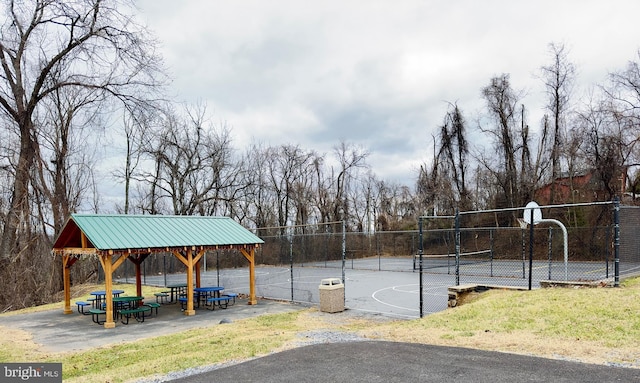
(387, 286)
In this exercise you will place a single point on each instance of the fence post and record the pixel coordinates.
(491, 248)
(550, 245)
(616, 240)
(291, 234)
(608, 250)
(344, 249)
(457, 247)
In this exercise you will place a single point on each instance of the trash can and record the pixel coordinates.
(331, 295)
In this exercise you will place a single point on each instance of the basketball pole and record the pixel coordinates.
(616, 241)
(457, 224)
(531, 224)
(420, 252)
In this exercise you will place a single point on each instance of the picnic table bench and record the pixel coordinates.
(222, 301)
(95, 315)
(162, 297)
(153, 306)
(81, 305)
(232, 296)
(137, 313)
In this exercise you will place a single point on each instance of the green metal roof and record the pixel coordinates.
(110, 232)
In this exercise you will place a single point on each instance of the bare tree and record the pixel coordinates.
(623, 91)
(258, 200)
(290, 173)
(609, 140)
(138, 126)
(398, 207)
(190, 158)
(304, 187)
(502, 102)
(349, 158)
(49, 45)
(428, 185)
(64, 168)
(558, 79)
(453, 156)
(364, 199)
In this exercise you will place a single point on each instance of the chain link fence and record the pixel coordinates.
(492, 249)
(484, 247)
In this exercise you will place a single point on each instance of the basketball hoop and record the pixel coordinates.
(533, 213)
(537, 213)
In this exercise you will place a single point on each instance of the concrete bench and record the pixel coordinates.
(137, 313)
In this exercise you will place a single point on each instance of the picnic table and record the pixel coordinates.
(209, 296)
(204, 293)
(126, 302)
(177, 290)
(208, 291)
(127, 307)
(99, 297)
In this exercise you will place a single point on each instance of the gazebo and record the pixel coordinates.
(115, 238)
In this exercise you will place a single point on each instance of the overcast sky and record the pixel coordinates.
(378, 74)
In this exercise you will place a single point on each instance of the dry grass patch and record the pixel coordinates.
(590, 325)
(17, 346)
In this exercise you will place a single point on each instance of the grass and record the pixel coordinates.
(590, 325)
(192, 348)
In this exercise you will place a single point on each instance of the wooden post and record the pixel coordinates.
(189, 261)
(190, 310)
(137, 261)
(66, 275)
(138, 279)
(250, 256)
(106, 261)
(198, 273)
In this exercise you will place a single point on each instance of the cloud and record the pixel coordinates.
(376, 73)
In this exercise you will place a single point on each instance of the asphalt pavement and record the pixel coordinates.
(379, 361)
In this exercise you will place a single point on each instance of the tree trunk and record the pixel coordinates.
(18, 209)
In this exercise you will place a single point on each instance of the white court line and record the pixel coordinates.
(426, 291)
(373, 295)
(400, 288)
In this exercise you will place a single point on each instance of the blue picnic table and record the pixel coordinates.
(99, 296)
